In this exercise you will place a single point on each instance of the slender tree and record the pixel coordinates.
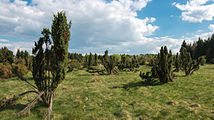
(95, 60)
(177, 63)
(90, 60)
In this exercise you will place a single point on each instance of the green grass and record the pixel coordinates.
(90, 96)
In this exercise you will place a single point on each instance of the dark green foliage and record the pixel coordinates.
(18, 53)
(210, 49)
(128, 62)
(96, 69)
(135, 62)
(42, 64)
(202, 60)
(177, 63)
(73, 64)
(75, 56)
(51, 59)
(90, 60)
(6, 55)
(86, 61)
(109, 62)
(60, 33)
(152, 61)
(162, 67)
(149, 79)
(201, 48)
(95, 60)
(188, 64)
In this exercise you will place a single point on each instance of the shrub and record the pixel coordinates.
(188, 64)
(19, 68)
(202, 60)
(6, 70)
(74, 64)
(109, 62)
(162, 67)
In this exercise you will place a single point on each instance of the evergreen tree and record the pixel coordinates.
(50, 63)
(95, 60)
(162, 68)
(90, 60)
(27, 58)
(210, 50)
(188, 65)
(6, 55)
(109, 63)
(177, 63)
(18, 54)
(86, 61)
(184, 45)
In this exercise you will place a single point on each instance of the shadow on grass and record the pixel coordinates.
(138, 84)
(20, 107)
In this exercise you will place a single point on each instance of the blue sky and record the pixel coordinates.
(121, 26)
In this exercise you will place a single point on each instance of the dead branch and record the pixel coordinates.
(29, 106)
(32, 86)
(14, 99)
(48, 117)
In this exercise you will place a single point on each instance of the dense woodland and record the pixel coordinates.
(50, 61)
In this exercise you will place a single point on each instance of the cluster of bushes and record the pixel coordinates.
(11, 66)
(128, 63)
(165, 64)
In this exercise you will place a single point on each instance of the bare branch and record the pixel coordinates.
(48, 117)
(29, 106)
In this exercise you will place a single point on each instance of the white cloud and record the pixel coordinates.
(15, 45)
(196, 10)
(96, 24)
(4, 40)
(211, 27)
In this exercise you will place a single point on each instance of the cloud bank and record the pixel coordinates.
(196, 10)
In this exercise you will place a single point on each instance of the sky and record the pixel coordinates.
(120, 26)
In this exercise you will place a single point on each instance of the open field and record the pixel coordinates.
(90, 96)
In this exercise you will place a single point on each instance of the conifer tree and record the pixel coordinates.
(95, 59)
(162, 68)
(18, 54)
(177, 63)
(109, 63)
(90, 60)
(188, 64)
(6, 55)
(49, 63)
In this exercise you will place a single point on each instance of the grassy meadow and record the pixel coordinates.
(85, 96)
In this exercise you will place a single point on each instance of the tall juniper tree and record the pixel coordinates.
(49, 63)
